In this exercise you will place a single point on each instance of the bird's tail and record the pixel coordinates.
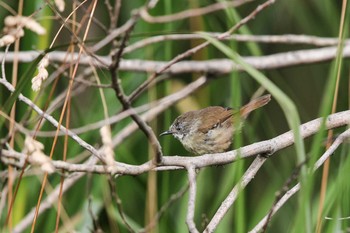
(254, 104)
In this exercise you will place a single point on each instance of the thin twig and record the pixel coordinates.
(197, 48)
(118, 201)
(293, 177)
(95, 222)
(232, 196)
(3, 73)
(126, 103)
(50, 119)
(156, 110)
(3, 194)
(164, 208)
(191, 12)
(135, 16)
(92, 11)
(277, 206)
(191, 170)
(113, 13)
(163, 104)
(340, 139)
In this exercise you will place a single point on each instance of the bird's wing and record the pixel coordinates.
(214, 116)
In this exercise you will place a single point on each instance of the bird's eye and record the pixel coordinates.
(177, 126)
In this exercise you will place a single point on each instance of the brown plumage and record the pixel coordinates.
(210, 130)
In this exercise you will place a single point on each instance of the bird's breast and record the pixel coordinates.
(216, 140)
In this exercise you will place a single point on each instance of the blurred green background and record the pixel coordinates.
(305, 84)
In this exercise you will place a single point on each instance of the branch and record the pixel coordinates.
(156, 110)
(231, 198)
(181, 162)
(264, 147)
(277, 206)
(124, 28)
(191, 170)
(52, 120)
(161, 105)
(197, 48)
(164, 208)
(164, 104)
(340, 139)
(269, 146)
(273, 39)
(125, 101)
(214, 66)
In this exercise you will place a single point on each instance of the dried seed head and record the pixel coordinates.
(34, 150)
(42, 74)
(24, 21)
(13, 28)
(60, 4)
(6, 40)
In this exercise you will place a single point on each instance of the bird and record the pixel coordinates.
(210, 130)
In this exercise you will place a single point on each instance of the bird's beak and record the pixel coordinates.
(165, 133)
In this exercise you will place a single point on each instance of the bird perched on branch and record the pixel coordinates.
(210, 130)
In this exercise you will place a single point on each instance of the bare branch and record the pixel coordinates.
(340, 139)
(52, 120)
(191, 199)
(277, 206)
(123, 29)
(164, 208)
(197, 48)
(273, 39)
(293, 177)
(126, 103)
(156, 110)
(264, 147)
(162, 104)
(214, 66)
(282, 141)
(232, 196)
(181, 162)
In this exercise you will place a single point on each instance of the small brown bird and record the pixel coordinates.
(210, 130)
